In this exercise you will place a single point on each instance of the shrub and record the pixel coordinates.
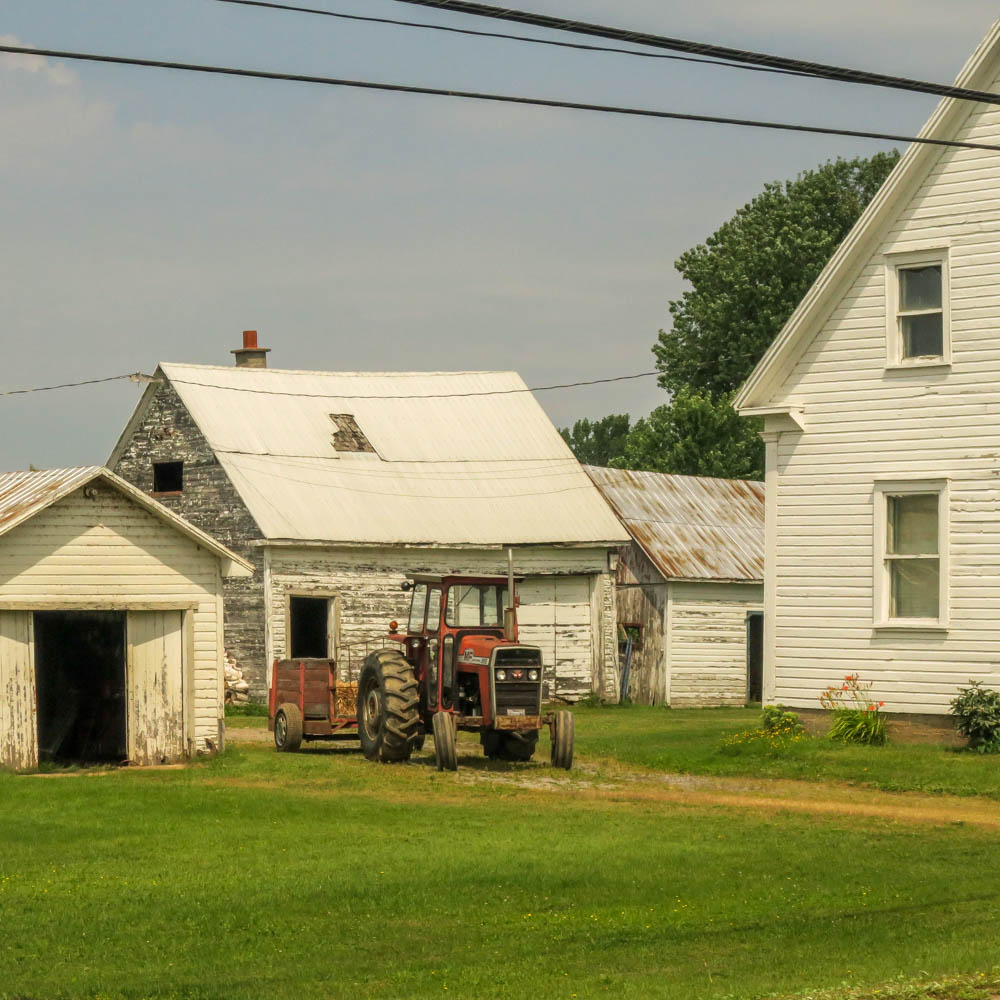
(856, 717)
(777, 718)
(977, 711)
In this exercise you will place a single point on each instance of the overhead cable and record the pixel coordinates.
(824, 71)
(132, 377)
(449, 29)
(497, 98)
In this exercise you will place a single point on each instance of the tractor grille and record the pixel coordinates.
(524, 695)
(518, 656)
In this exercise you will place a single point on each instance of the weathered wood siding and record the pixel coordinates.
(567, 602)
(18, 732)
(155, 683)
(96, 550)
(167, 432)
(707, 635)
(642, 601)
(865, 423)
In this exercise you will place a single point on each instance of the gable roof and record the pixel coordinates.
(25, 494)
(441, 458)
(948, 118)
(691, 527)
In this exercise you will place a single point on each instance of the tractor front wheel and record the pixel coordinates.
(388, 709)
(562, 740)
(287, 727)
(445, 752)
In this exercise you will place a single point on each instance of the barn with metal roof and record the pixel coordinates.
(690, 585)
(110, 624)
(336, 485)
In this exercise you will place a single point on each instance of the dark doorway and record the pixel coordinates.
(755, 656)
(309, 627)
(80, 682)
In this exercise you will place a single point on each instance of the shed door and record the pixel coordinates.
(18, 722)
(155, 686)
(555, 614)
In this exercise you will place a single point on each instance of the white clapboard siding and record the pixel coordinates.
(155, 672)
(864, 423)
(707, 636)
(18, 723)
(557, 601)
(96, 549)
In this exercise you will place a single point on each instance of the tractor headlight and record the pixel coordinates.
(532, 675)
(501, 675)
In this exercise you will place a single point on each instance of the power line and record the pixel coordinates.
(421, 395)
(292, 8)
(498, 98)
(821, 70)
(134, 377)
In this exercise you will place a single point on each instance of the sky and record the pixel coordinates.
(151, 215)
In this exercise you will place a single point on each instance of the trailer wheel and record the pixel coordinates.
(388, 711)
(562, 740)
(287, 727)
(444, 742)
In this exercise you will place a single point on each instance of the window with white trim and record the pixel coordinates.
(911, 553)
(918, 309)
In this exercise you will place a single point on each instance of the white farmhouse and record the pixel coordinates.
(110, 624)
(881, 405)
(336, 485)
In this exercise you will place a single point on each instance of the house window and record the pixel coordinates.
(911, 547)
(918, 309)
(168, 477)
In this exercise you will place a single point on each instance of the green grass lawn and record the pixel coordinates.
(687, 741)
(322, 875)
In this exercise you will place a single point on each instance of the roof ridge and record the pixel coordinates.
(336, 374)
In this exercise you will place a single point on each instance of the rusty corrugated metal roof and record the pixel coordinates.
(691, 527)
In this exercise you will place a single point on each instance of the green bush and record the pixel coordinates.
(977, 711)
(777, 718)
(253, 708)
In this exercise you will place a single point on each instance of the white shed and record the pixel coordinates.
(110, 623)
(881, 463)
(690, 585)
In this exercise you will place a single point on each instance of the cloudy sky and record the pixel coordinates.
(152, 215)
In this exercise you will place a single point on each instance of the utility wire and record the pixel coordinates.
(422, 395)
(498, 98)
(822, 70)
(292, 8)
(134, 377)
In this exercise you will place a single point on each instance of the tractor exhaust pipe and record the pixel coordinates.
(510, 613)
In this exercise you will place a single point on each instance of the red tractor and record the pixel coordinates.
(459, 666)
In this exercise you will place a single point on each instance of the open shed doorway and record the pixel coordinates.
(80, 683)
(309, 627)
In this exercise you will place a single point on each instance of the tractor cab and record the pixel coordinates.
(468, 662)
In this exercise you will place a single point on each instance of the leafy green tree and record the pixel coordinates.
(597, 442)
(748, 276)
(695, 434)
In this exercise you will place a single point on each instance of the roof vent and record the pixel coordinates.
(250, 355)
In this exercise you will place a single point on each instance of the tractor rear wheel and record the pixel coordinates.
(388, 709)
(444, 742)
(287, 727)
(562, 740)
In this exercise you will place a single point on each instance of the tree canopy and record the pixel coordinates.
(598, 442)
(745, 281)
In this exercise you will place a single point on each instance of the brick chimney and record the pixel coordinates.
(250, 355)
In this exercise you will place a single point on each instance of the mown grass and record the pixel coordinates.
(322, 875)
(688, 741)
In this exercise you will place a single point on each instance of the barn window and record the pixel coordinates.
(918, 309)
(309, 627)
(168, 477)
(911, 574)
(634, 632)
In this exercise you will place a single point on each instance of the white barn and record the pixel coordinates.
(883, 483)
(110, 624)
(335, 485)
(690, 585)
